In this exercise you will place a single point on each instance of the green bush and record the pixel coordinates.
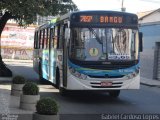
(47, 106)
(30, 89)
(18, 80)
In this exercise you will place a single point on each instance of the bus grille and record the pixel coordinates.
(98, 85)
(106, 76)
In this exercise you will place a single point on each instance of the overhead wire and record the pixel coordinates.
(152, 1)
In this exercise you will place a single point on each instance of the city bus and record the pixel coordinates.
(89, 50)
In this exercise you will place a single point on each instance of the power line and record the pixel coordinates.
(152, 1)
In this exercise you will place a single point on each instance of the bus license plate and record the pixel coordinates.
(106, 83)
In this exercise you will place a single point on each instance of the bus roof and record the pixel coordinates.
(102, 12)
(68, 16)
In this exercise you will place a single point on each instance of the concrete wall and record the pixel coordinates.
(147, 63)
(151, 35)
(17, 42)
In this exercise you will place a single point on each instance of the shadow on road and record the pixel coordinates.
(87, 97)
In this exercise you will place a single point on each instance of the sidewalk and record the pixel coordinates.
(9, 105)
(150, 82)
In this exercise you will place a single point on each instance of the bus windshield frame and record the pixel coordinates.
(103, 44)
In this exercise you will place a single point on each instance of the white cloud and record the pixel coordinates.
(130, 5)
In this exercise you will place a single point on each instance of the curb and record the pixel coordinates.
(19, 61)
(149, 82)
(150, 85)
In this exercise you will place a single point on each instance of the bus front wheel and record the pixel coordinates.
(114, 93)
(63, 91)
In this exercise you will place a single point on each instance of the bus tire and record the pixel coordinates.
(57, 79)
(41, 79)
(62, 91)
(114, 93)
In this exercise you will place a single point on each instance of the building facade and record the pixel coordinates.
(150, 27)
(17, 42)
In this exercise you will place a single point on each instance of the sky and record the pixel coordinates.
(132, 6)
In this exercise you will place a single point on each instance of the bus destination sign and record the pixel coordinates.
(104, 19)
(101, 19)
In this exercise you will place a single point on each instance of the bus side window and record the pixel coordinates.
(43, 39)
(58, 36)
(46, 38)
(55, 41)
(55, 37)
(61, 38)
(39, 39)
(52, 37)
(35, 40)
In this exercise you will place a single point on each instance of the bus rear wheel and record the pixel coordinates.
(114, 93)
(41, 79)
(57, 85)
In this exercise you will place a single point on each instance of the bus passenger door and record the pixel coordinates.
(45, 55)
(35, 53)
(52, 58)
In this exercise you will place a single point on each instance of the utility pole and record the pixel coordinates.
(123, 9)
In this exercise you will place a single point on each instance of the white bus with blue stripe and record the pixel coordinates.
(90, 50)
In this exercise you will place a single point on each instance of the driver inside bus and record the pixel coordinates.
(78, 44)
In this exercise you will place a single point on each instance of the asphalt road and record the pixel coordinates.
(145, 100)
(90, 106)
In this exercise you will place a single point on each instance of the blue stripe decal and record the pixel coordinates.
(96, 72)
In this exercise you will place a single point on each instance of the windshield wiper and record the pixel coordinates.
(96, 36)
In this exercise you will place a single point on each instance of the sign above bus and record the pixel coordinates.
(91, 18)
(101, 19)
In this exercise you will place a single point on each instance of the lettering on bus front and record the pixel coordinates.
(114, 19)
(84, 18)
(101, 19)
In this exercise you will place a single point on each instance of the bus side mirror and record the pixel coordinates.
(67, 35)
(140, 42)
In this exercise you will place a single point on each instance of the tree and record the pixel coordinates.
(25, 12)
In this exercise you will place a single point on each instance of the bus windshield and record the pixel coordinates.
(103, 44)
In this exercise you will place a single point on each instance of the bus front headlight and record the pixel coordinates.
(77, 74)
(132, 75)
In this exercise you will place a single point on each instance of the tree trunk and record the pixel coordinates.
(4, 20)
(4, 71)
